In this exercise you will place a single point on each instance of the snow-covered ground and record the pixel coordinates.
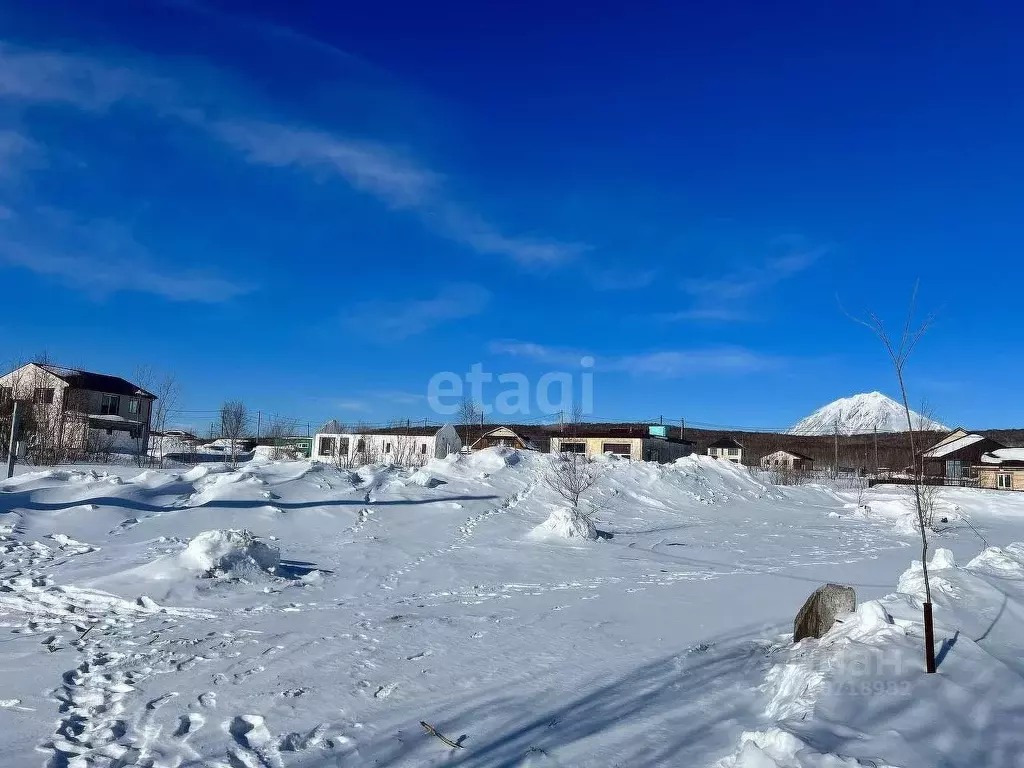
(295, 614)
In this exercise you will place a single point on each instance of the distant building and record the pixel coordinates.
(955, 455)
(1002, 469)
(71, 412)
(787, 459)
(638, 442)
(726, 448)
(407, 445)
(509, 437)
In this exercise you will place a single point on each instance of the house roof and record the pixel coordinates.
(797, 454)
(725, 442)
(1005, 457)
(944, 448)
(334, 427)
(96, 382)
(628, 431)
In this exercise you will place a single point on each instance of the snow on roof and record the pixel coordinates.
(1000, 455)
(944, 449)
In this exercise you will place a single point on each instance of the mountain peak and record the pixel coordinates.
(860, 414)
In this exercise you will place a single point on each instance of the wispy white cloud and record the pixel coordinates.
(727, 298)
(400, 398)
(677, 363)
(398, 181)
(396, 320)
(620, 279)
(357, 406)
(744, 282)
(540, 353)
(15, 151)
(101, 258)
(669, 363)
(714, 313)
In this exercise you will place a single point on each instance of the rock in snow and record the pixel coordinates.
(821, 609)
(862, 414)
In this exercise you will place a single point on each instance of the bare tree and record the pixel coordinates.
(899, 351)
(168, 392)
(470, 413)
(571, 476)
(233, 419)
(274, 433)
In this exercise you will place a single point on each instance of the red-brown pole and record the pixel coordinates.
(929, 638)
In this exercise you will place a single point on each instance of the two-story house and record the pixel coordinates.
(67, 412)
(726, 448)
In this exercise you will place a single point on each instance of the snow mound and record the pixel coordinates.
(231, 553)
(912, 581)
(861, 414)
(1006, 563)
(860, 690)
(565, 523)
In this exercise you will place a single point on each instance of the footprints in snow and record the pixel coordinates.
(466, 531)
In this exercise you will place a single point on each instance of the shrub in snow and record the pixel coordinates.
(819, 613)
(231, 553)
(566, 523)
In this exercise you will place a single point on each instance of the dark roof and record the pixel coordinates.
(725, 442)
(334, 427)
(570, 431)
(96, 382)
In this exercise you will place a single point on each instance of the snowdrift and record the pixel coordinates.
(225, 554)
(860, 695)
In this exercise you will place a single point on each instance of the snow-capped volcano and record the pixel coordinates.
(861, 414)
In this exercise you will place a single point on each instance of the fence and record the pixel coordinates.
(955, 482)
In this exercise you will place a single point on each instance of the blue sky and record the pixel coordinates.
(317, 206)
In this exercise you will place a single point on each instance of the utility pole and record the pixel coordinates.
(876, 448)
(259, 423)
(661, 420)
(682, 428)
(12, 446)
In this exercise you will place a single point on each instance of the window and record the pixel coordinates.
(326, 446)
(110, 405)
(133, 405)
(734, 451)
(6, 394)
(360, 446)
(387, 447)
(622, 450)
(573, 447)
(1004, 481)
(43, 396)
(423, 448)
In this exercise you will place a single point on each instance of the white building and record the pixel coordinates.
(409, 445)
(726, 448)
(783, 459)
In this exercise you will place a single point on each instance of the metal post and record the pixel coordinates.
(13, 444)
(259, 421)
